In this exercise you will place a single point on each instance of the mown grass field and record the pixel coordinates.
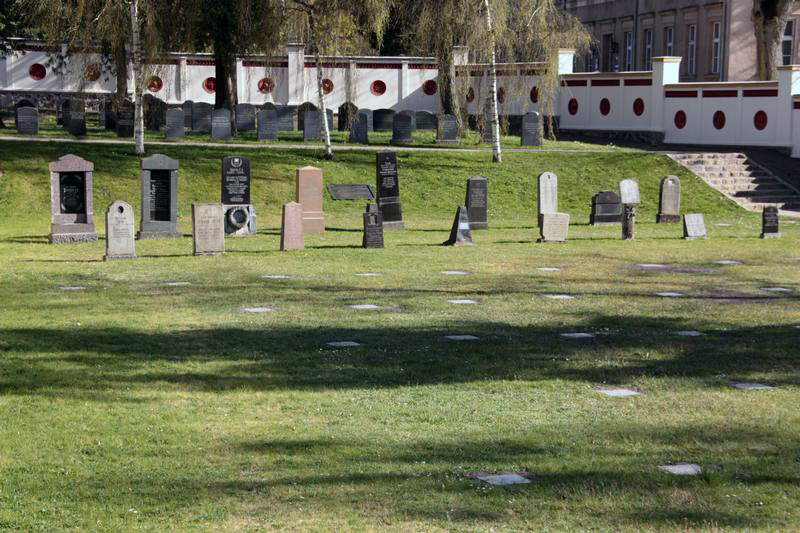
(134, 403)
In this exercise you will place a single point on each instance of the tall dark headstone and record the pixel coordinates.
(286, 117)
(240, 215)
(388, 185)
(268, 125)
(312, 123)
(373, 227)
(368, 113)
(109, 116)
(221, 124)
(159, 215)
(71, 197)
(383, 119)
(176, 120)
(402, 129)
(412, 115)
(155, 112)
(187, 107)
(245, 117)
(460, 234)
(606, 209)
(425, 120)
(62, 113)
(125, 116)
(447, 130)
(359, 129)
(27, 120)
(770, 223)
(201, 117)
(77, 117)
(669, 201)
(478, 202)
(487, 131)
(530, 130)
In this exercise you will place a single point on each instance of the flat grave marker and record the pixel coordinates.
(364, 307)
(177, 283)
(668, 294)
(276, 276)
(463, 302)
(343, 344)
(748, 386)
(348, 191)
(559, 296)
(502, 479)
(454, 273)
(690, 333)
(776, 289)
(548, 269)
(618, 392)
(369, 274)
(728, 262)
(681, 469)
(577, 335)
(461, 338)
(258, 310)
(694, 227)
(72, 288)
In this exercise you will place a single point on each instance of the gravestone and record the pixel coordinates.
(240, 215)
(629, 192)
(109, 116)
(359, 129)
(176, 124)
(27, 120)
(553, 227)
(770, 223)
(547, 199)
(460, 234)
(487, 131)
(412, 115)
(346, 116)
(208, 230)
(348, 191)
(62, 114)
(368, 113)
(329, 114)
(292, 227)
(383, 120)
(245, 117)
(71, 200)
(268, 125)
(669, 201)
(201, 117)
(312, 124)
(187, 107)
(159, 190)
(125, 117)
(221, 124)
(373, 227)
(308, 193)
(478, 202)
(285, 117)
(401, 129)
(629, 195)
(425, 120)
(77, 117)
(447, 130)
(694, 227)
(155, 112)
(119, 232)
(388, 185)
(606, 209)
(530, 130)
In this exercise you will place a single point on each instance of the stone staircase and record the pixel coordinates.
(742, 180)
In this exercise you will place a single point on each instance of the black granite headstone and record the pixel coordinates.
(329, 114)
(27, 120)
(268, 125)
(312, 122)
(383, 119)
(62, 114)
(72, 192)
(373, 228)
(76, 117)
(176, 121)
(606, 209)
(221, 124)
(770, 223)
(285, 117)
(359, 129)
(460, 233)
(425, 120)
(125, 116)
(188, 107)
(402, 129)
(530, 130)
(245, 117)
(447, 130)
(236, 180)
(388, 186)
(477, 202)
(412, 115)
(368, 113)
(201, 117)
(109, 116)
(155, 112)
(159, 214)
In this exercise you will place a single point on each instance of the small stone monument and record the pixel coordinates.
(208, 230)
(71, 200)
(125, 117)
(221, 124)
(606, 209)
(402, 128)
(187, 107)
(531, 135)
(547, 199)
(27, 120)
(245, 117)
(76, 117)
(694, 227)
(308, 193)
(201, 117)
(460, 234)
(629, 195)
(359, 129)
(240, 215)
(292, 227)
(553, 227)
(312, 125)
(478, 202)
(412, 115)
(176, 118)
(373, 227)
(285, 117)
(770, 223)
(447, 130)
(669, 201)
(119, 232)
(267, 125)
(425, 120)
(383, 119)
(388, 185)
(159, 215)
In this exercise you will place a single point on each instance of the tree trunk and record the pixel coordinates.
(121, 70)
(447, 87)
(769, 21)
(221, 94)
(321, 91)
(138, 101)
(497, 155)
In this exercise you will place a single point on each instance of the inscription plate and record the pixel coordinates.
(478, 202)
(160, 195)
(530, 131)
(694, 226)
(125, 116)
(236, 180)
(73, 192)
(389, 190)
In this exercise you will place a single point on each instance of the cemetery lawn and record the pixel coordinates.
(137, 396)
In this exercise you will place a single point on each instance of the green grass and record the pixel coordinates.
(134, 405)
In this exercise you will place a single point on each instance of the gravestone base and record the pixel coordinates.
(70, 233)
(240, 220)
(119, 256)
(553, 227)
(393, 225)
(151, 235)
(668, 219)
(770, 235)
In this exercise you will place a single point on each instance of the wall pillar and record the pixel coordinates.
(181, 88)
(296, 74)
(666, 71)
(566, 60)
(403, 91)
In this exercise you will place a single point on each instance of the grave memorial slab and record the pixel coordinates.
(346, 191)
(76, 118)
(460, 234)
(245, 117)
(359, 129)
(447, 130)
(477, 202)
(606, 209)
(187, 107)
(125, 117)
(27, 120)
(402, 128)
(268, 125)
(383, 119)
(292, 227)
(62, 114)
(119, 232)
(694, 227)
(368, 114)
(388, 185)
(208, 230)
(411, 115)
(201, 117)
(669, 201)
(547, 199)
(530, 130)
(176, 119)
(240, 215)
(553, 227)
(629, 195)
(71, 205)
(629, 192)
(373, 227)
(770, 223)
(312, 125)
(425, 120)
(109, 117)
(308, 193)
(159, 193)
(221, 124)
(285, 116)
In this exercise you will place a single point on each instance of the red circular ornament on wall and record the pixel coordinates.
(430, 87)
(155, 84)
(37, 72)
(605, 107)
(266, 85)
(638, 107)
(210, 85)
(572, 107)
(327, 86)
(680, 120)
(535, 95)
(501, 95)
(92, 72)
(760, 120)
(719, 120)
(377, 88)
(470, 95)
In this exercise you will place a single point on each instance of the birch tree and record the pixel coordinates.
(769, 20)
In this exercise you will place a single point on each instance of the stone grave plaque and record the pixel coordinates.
(383, 120)
(208, 231)
(187, 107)
(402, 129)
(629, 192)
(346, 191)
(76, 117)
(368, 114)
(221, 124)
(176, 120)
(125, 117)
(236, 180)
(312, 125)
(285, 115)
(606, 209)
(309, 194)
(447, 130)
(72, 217)
(201, 117)
(553, 227)
(388, 185)
(770, 223)
(292, 227)
(478, 202)
(530, 130)
(159, 190)
(460, 234)
(694, 226)
(669, 201)
(359, 129)
(27, 120)
(119, 232)
(547, 199)
(411, 115)
(245, 117)
(425, 120)
(373, 227)
(268, 125)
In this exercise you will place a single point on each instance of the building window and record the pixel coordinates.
(788, 43)
(669, 47)
(648, 49)
(691, 49)
(716, 45)
(628, 50)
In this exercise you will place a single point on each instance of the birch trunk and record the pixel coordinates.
(497, 155)
(138, 122)
(320, 90)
